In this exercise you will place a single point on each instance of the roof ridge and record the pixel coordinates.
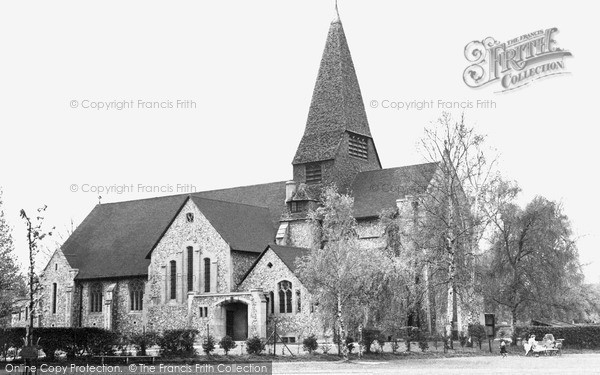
(188, 194)
(228, 202)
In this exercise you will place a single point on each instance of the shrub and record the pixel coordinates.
(102, 342)
(227, 344)
(142, 341)
(11, 338)
(255, 345)
(326, 347)
(369, 336)
(477, 332)
(310, 344)
(178, 342)
(209, 345)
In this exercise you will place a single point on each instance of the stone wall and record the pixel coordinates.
(167, 313)
(59, 272)
(295, 324)
(241, 262)
(300, 234)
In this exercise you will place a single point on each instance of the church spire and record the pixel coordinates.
(337, 104)
(337, 131)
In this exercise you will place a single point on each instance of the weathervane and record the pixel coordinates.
(99, 199)
(337, 14)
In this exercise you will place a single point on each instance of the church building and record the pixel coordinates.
(225, 260)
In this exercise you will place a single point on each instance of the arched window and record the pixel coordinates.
(207, 275)
(173, 279)
(136, 295)
(285, 296)
(96, 297)
(272, 301)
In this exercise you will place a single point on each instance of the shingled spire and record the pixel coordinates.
(336, 114)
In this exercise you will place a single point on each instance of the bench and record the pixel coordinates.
(126, 357)
(548, 348)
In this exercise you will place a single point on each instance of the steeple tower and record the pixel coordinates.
(337, 141)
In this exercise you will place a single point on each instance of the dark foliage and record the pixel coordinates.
(227, 344)
(178, 343)
(255, 345)
(310, 344)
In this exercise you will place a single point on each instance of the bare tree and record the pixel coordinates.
(35, 235)
(452, 224)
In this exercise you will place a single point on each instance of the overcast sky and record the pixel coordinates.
(250, 67)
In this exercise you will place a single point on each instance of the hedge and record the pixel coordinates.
(73, 341)
(578, 337)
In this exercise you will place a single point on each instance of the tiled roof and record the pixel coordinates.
(377, 190)
(337, 104)
(270, 195)
(115, 238)
(287, 254)
(243, 227)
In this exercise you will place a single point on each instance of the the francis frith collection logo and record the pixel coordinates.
(515, 63)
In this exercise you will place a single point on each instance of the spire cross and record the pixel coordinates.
(337, 14)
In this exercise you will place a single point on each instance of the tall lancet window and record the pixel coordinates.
(96, 297)
(206, 275)
(136, 295)
(173, 279)
(190, 268)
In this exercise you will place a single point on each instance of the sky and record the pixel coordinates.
(243, 73)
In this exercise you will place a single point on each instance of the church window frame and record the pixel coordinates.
(285, 296)
(54, 293)
(206, 264)
(136, 296)
(190, 269)
(172, 280)
(96, 296)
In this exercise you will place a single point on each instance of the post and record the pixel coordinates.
(274, 339)
(490, 343)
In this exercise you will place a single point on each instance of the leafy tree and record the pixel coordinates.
(344, 281)
(477, 332)
(11, 280)
(533, 263)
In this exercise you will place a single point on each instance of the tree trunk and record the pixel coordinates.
(514, 324)
(342, 328)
